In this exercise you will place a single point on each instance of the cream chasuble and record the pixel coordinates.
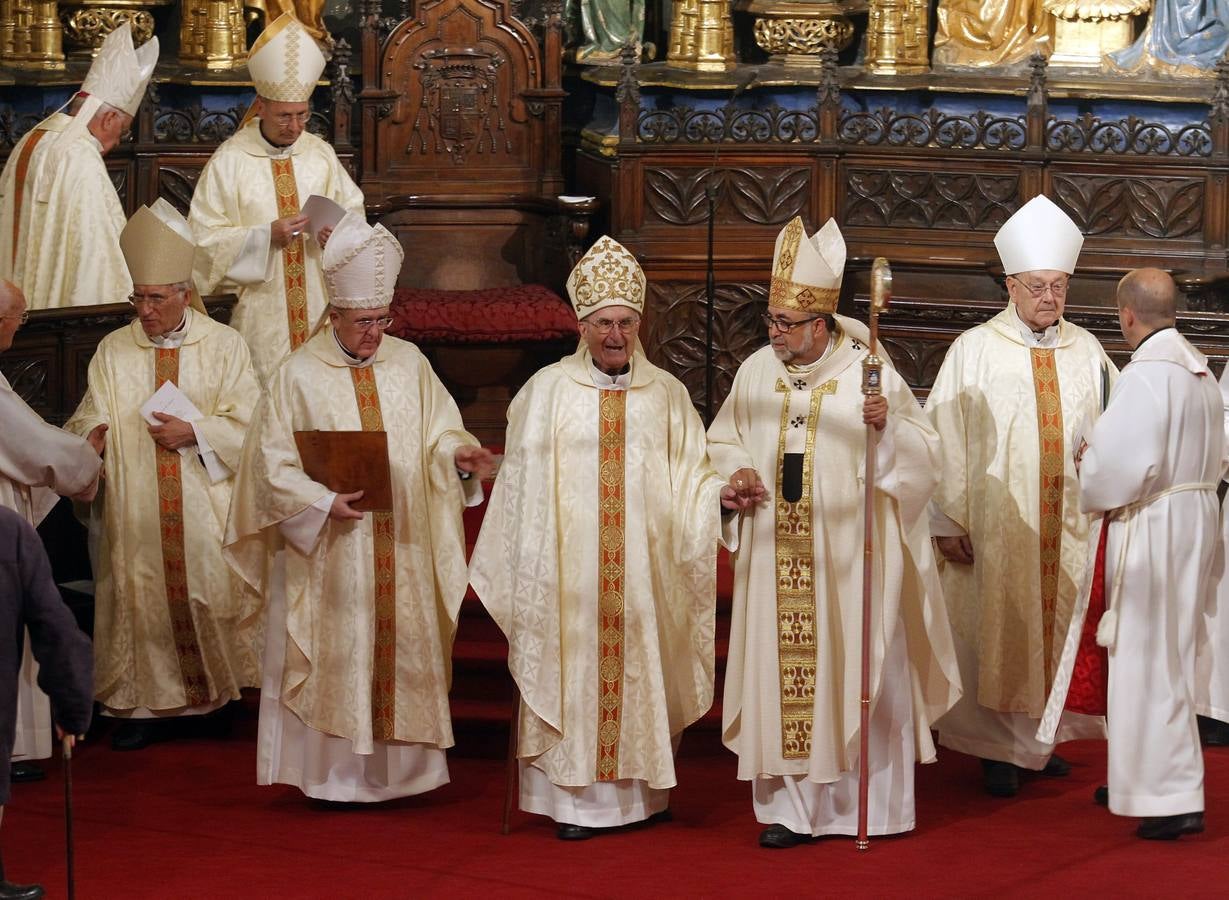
(168, 631)
(375, 669)
(59, 231)
(1212, 675)
(247, 184)
(793, 678)
(597, 559)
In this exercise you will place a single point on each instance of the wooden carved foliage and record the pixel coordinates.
(27, 375)
(1132, 206)
(676, 337)
(176, 184)
(765, 196)
(899, 198)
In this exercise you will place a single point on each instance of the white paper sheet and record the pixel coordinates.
(322, 212)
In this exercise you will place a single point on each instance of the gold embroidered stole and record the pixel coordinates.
(19, 183)
(1052, 466)
(384, 540)
(611, 517)
(174, 567)
(293, 254)
(796, 646)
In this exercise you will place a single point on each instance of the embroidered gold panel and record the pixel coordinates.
(796, 645)
(383, 536)
(292, 254)
(611, 512)
(1050, 441)
(174, 564)
(19, 184)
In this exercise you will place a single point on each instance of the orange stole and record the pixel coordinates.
(384, 538)
(19, 184)
(612, 407)
(292, 254)
(1050, 441)
(174, 568)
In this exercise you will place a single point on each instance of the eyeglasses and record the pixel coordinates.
(292, 118)
(367, 324)
(785, 326)
(155, 300)
(605, 326)
(1057, 289)
(22, 318)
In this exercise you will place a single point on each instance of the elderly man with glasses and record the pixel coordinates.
(1009, 403)
(176, 390)
(597, 558)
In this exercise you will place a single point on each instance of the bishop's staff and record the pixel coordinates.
(872, 374)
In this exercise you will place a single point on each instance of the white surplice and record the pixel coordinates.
(1153, 461)
(1212, 659)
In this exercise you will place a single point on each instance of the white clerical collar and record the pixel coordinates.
(349, 358)
(1043, 339)
(273, 150)
(174, 338)
(601, 380)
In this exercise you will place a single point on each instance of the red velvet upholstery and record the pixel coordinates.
(507, 315)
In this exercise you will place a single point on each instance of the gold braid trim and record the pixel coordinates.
(611, 512)
(1052, 466)
(293, 266)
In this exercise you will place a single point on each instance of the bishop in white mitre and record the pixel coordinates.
(361, 606)
(1148, 472)
(1007, 401)
(597, 558)
(795, 424)
(176, 389)
(38, 464)
(247, 207)
(60, 216)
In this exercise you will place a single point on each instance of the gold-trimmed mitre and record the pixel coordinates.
(807, 271)
(119, 73)
(361, 264)
(1039, 236)
(284, 62)
(607, 275)
(157, 245)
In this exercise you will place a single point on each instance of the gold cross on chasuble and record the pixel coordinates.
(384, 547)
(1052, 467)
(293, 254)
(796, 646)
(174, 564)
(612, 433)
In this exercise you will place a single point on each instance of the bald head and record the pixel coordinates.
(1151, 295)
(12, 300)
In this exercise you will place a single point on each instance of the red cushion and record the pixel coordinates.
(526, 312)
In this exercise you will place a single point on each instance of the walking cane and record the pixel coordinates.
(510, 775)
(67, 748)
(872, 372)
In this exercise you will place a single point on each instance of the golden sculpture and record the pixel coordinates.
(702, 36)
(87, 22)
(795, 31)
(213, 34)
(30, 35)
(897, 36)
(310, 14)
(984, 33)
(1086, 30)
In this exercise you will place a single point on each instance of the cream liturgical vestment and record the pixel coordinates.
(1006, 408)
(1212, 676)
(168, 637)
(597, 558)
(791, 708)
(361, 613)
(1152, 464)
(246, 185)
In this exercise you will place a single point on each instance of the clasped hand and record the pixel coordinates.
(173, 433)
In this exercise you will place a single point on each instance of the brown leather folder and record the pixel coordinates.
(347, 461)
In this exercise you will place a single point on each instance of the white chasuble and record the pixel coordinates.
(362, 619)
(59, 230)
(597, 559)
(793, 676)
(1212, 675)
(1007, 414)
(247, 184)
(169, 636)
(1152, 464)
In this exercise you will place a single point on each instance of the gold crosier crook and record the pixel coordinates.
(872, 386)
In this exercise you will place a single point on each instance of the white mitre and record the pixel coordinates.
(1039, 236)
(119, 73)
(807, 271)
(607, 275)
(361, 264)
(284, 62)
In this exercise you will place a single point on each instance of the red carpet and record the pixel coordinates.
(185, 820)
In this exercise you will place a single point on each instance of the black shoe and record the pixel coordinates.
(1101, 796)
(1001, 779)
(1056, 767)
(24, 771)
(1168, 828)
(1213, 732)
(778, 837)
(569, 832)
(664, 816)
(10, 891)
(137, 734)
